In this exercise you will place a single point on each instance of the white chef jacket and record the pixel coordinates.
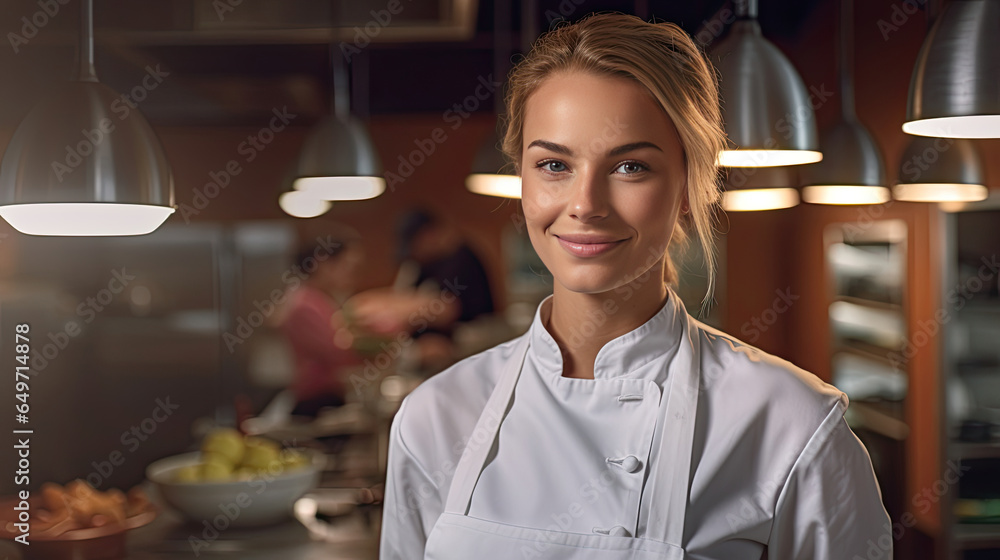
(774, 465)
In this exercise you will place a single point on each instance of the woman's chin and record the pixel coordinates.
(589, 284)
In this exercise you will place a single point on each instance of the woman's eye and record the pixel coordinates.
(553, 166)
(630, 168)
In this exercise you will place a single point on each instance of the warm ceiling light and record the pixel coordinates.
(83, 219)
(971, 126)
(941, 170)
(341, 188)
(940, 192)
(767, 158)
(301, 204)
(492, 184)
(845, 194)
(747, 200)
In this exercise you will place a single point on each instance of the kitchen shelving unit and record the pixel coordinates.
(970, 369)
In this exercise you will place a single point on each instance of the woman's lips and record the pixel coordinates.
(587, 249)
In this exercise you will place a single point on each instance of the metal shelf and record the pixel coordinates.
(971, 450)
(879, 419)
(970, 536)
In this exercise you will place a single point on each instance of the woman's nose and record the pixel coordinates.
(589, 198)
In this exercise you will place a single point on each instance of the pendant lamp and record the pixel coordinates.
(766, 108)
(76, 167)
(852, 171)
(338, 160)
(490, 172)
(941, 170)
(955, 88)
(760, 188)
(489, 176)
(946, 170)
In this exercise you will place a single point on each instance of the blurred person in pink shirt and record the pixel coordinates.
(312, 322)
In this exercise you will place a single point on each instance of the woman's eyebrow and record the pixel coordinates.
(625, 148)
(617, 151)
(552, 146)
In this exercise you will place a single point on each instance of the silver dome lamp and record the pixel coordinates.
(338, 160)
(941, 170)
(490, 174)
(955, 88)
(74, 167)
(766, 108)
(852, 171)
(946, 170)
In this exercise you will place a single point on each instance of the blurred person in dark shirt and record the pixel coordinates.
(441, 282)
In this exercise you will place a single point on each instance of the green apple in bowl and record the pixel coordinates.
(262, 455)
(226, 442)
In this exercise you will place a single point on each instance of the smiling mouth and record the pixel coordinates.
(587, 249)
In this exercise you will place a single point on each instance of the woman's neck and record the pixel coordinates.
(582, 324)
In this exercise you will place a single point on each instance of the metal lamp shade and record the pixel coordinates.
(760, 188)
(766, 108)
(955, 89)
(488, 177)
(941, 170)
(852, 171)
(338, 162)
(83, 162)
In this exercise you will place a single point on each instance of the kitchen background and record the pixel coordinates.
(895, 303)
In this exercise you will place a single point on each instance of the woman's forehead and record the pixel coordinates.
(584, 111)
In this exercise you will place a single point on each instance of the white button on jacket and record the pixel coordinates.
(688, 443)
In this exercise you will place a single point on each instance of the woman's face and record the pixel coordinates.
(603, 179)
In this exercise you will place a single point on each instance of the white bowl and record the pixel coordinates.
(262, 500)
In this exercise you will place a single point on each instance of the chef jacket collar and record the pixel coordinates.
(632, 355)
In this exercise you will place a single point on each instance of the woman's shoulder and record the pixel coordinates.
(734, 370)
(438, 416)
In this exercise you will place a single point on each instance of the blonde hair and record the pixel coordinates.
(667, 62)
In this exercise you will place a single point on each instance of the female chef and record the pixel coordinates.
(618, 426)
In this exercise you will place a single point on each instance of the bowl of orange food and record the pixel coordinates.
(75, 521)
